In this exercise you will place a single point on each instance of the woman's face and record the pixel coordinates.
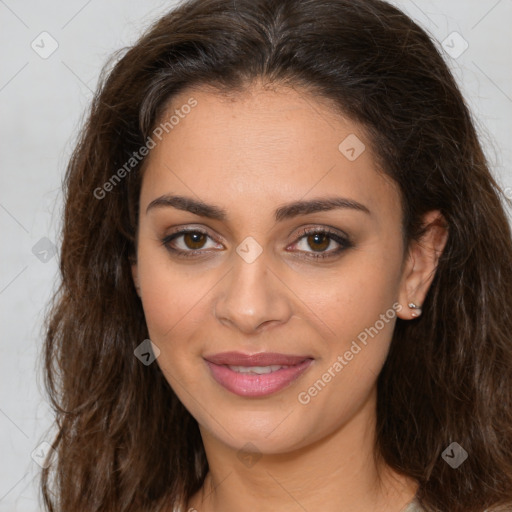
(294, 247)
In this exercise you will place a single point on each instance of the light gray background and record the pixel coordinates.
(42, 102)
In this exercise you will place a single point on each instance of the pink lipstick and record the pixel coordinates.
(256, 375)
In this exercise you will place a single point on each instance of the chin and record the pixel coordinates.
(264, 432)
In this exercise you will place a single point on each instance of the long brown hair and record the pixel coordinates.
(124, 441)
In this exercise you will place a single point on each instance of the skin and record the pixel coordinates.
(250, 154)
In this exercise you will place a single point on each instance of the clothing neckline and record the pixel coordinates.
(413, 506)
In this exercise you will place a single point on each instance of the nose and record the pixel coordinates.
(252, 297)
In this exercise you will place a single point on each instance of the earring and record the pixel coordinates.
(417, 310)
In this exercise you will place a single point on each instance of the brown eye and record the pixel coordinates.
(321, 243)
(318, 241)
(189, 243)
(194, 240)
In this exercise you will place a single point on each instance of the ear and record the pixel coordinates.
(421, 264)
(135, 274)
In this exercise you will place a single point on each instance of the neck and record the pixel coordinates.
(337, 473)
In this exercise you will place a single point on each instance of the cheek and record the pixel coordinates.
(357, 306)
(168, 293)
(173, 308)
(353, 298)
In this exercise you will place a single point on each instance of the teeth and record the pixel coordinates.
(256, 369)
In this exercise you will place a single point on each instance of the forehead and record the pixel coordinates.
(264, 146)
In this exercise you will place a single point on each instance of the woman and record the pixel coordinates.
(285, 275)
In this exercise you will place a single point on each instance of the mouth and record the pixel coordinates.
(256, 375)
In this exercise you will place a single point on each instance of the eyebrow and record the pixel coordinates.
(287, 211)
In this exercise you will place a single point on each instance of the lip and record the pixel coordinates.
(252, 385)
(261, 359)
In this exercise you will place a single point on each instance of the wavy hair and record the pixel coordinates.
(123, 440)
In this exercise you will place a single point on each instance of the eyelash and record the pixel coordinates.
(343, 241)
